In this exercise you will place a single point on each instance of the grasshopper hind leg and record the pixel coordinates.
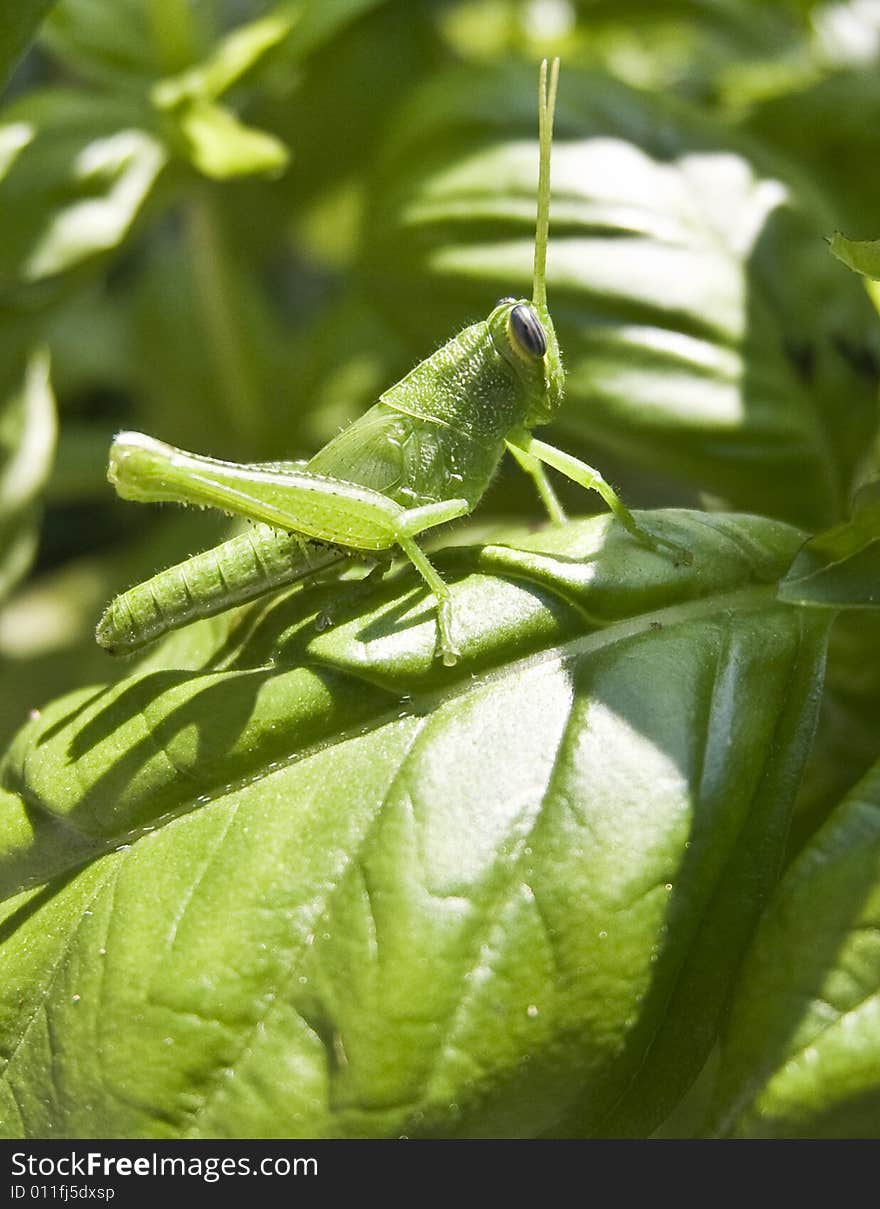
(527, 449)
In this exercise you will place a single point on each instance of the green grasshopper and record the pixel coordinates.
(422, 456)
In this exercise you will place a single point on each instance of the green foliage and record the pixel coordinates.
(800, 1055)
(76, 174)
(841, 567)
(286, 875)
(861, 255)
(562, 763)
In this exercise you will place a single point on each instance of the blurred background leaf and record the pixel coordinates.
(27, 444)
(73, 185)
(861, 255)
(18, 24)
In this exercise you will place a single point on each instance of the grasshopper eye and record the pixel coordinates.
(526, 327)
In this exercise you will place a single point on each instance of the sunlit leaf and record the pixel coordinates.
(221, 147)
(394, 898)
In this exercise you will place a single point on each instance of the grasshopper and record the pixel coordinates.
(422, 456)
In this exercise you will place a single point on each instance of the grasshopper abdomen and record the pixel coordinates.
(241, 569)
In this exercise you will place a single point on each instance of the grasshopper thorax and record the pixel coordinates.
(523, 335)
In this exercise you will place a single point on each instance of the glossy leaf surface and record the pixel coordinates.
(345, 891)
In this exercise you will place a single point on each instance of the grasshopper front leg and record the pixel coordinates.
(290, 498)
(524, 446)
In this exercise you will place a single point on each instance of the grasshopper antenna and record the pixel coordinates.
(546, 108)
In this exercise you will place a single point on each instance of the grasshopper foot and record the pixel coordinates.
(448, 650)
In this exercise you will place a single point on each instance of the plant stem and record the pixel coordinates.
(237, 392)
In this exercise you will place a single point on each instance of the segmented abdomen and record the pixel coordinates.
(239, 570)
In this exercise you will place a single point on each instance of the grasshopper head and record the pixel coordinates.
(523, 334)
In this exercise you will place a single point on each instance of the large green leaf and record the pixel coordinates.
(707, 333)
(801, 1055)
(319, 885)
(27, 445)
